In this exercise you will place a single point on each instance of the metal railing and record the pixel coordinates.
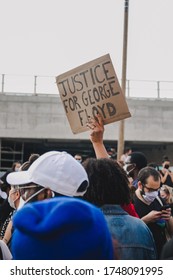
(25, 84)
(149, 89)
(33, 85)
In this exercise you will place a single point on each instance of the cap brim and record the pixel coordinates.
(19, 178)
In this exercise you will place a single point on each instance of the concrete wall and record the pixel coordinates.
(43, 116)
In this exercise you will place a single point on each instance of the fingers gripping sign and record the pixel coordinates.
(96, 126)
(96, 129)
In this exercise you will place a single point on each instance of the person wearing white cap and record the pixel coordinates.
(53, 173)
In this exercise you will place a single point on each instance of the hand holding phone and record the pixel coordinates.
(164, 207)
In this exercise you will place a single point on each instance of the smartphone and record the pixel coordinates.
(166, 206)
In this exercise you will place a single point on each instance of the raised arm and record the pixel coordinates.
(96, 127)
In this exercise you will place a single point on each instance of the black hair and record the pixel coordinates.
(108, 182)
(165, 158)
(154, 165)
(25, 166)
(139, 159)
(14, 165)
(127, 149)
(146, 172)
(33, 157)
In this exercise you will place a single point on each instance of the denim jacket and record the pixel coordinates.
(135, 240)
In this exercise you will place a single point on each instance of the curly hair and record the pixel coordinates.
(108, 182)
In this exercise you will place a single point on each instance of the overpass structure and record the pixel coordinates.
(33, 120)
(37, 123)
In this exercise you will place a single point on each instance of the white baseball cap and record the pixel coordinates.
(58, 171)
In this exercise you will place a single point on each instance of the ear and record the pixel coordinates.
(47, 193)
(18, 194)
(140, 185)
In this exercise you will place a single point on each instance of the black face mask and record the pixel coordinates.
(167, 166)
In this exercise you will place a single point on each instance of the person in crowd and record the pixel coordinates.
(108, 189)
(148, 206)
(14, 202)
(33, 157)
(154, 165)
(133, 164)
(5, 253)
(96, 127)
(5, 209)
(50, 175)
(166, 174)
(16, 166)
(62, 228)
(112, 153)
(78, 157)
(127, 152)
(165, 193)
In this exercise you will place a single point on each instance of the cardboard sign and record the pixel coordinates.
(90, 89)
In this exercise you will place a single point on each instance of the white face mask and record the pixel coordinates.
(22, 201)
(79, 160)
(125, 167)
(150, 196)
(16, 169)
(11, 202)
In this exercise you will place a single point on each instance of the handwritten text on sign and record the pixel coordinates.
(90, 89)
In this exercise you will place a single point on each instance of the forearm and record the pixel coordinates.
(100, 150)
(7, 235)
(163, 179)
(145, 219)
(151, 217)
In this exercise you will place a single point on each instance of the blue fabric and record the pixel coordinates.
(135, 183)
(61, 229)
(135, 240)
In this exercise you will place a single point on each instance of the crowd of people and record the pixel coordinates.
(61, 207)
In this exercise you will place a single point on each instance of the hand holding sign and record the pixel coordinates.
(97, 129)
(92, 89)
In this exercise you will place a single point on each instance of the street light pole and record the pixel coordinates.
(120, 149)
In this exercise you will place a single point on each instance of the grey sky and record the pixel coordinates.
(49, 37)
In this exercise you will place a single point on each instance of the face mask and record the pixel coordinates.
(167, 166)
(53, 194)
(79, 160)
(16, 169)
(22, 201)
(11, 202)
(164, 199)
(150, 196)
(126, 167)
